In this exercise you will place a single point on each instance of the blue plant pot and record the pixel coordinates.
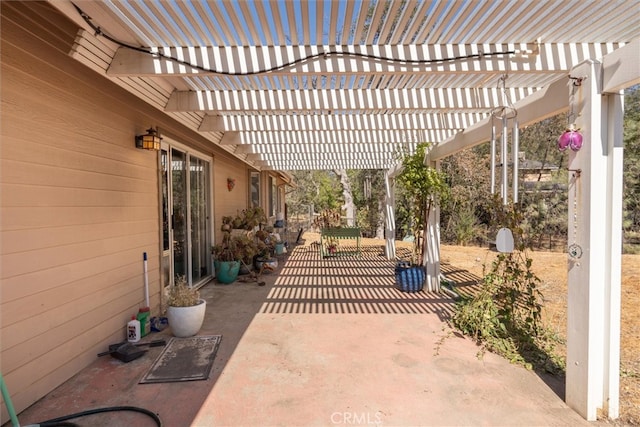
(409, 278)
(227, 271)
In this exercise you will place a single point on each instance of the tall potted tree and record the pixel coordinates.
(423, 187)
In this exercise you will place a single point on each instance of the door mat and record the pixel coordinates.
(184, 359)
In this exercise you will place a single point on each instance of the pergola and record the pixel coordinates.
(304, 85)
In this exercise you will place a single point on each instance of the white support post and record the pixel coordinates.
(615, 115)
(431, 257)
(595, 212)
(389, 218)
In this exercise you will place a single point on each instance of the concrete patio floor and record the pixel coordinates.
(325, 343)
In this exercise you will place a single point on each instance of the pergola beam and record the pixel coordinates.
(466, 100)
(336, 61)
(310, 122)
(338, 138)
(546, 102)
(321, 166)
(550, 100)
(321, 157)
(311, 149)
(616, 77)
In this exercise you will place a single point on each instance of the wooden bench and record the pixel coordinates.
(338, 233)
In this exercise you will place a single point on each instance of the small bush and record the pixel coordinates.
(181, 295)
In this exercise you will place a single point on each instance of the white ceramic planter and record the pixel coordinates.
(186, 321)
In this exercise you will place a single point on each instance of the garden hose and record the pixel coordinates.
(62, 421)
(7, 401)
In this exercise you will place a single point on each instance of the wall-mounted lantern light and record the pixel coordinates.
(149, 141)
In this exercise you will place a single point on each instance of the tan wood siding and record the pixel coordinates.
(229, 203)
(79, 203)
(79, 207)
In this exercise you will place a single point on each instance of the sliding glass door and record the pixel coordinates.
(186, 215)
(200, 258)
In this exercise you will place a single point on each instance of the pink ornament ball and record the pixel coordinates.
(570, 138)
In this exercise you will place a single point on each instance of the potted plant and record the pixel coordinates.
(332, 246)
(245, 248)
(279, 246)
(265, 260)
(249, 219)
(185, 309)
(226, 254)
(423, 187)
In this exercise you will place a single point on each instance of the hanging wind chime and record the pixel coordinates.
(504, 114)
(367, 187)
(571, 137)
(507, 117)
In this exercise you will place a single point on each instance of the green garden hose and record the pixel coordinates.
(7, 401)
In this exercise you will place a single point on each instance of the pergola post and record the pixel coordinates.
(615, 135)
(595, 222)
(431, 257)
(389, 217)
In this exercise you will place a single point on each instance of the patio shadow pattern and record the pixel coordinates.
(308, 284)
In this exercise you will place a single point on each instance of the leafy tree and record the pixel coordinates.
(325, 190)
(329, 192)
(539, 141)
(463, 215)
(544, 203)
(319, 189)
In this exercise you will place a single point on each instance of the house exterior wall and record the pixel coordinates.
(79, 203)
(229, 203)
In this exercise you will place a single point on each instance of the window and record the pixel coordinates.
(273, 196)
(254, 189)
